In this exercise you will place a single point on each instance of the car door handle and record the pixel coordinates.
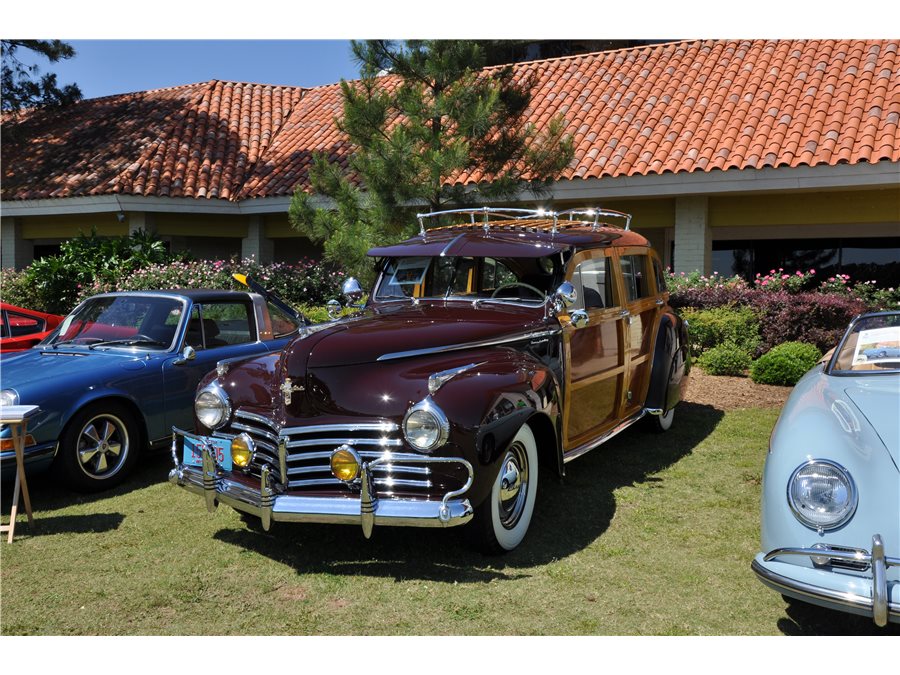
(660, 302)
(624, 314)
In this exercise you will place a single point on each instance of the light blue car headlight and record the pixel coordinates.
(822, 494)
(9, 397)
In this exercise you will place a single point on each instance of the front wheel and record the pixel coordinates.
(98, 448)
(502, 520)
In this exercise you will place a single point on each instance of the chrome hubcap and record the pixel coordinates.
(102, 446)
(513, 485)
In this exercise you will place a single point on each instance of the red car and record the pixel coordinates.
(23, 328)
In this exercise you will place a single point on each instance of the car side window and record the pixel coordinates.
(635, 275)
(282, 323)
(591, 281)
(217, 324)
(19, 324)
(660, 275)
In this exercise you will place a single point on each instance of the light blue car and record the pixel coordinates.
(122, 369)
(831, 485)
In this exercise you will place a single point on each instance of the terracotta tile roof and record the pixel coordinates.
(677, 107)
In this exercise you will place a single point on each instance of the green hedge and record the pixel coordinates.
(785, 364)
(709, 328)
(725, 359)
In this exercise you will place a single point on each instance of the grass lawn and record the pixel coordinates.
(648, 535)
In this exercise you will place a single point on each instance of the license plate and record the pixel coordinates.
(221, 449)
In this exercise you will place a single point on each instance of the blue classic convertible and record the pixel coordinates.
(121, 370)
(831, 486)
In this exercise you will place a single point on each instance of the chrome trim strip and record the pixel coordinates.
(255, 430)
(590, 445)
(384, 442)
(439, 379)
(469, 345)
(258, 418)
(387, 468)
(360, 426)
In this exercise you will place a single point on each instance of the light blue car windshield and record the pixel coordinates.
(120, 321)
(871, 345)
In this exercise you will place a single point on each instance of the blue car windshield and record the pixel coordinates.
(872, 345)
(120, 321)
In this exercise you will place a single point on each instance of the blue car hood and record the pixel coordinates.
(878, 398)
(58, 367)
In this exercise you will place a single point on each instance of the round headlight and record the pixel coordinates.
(9, 397)
(212, 406)
(345, 464)
(425, 426)
(822, 494)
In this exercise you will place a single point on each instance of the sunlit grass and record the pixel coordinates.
(650, 534)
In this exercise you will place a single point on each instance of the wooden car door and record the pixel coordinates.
(594, 353)
(642, 304)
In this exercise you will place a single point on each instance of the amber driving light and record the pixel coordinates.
(242, 449)
(345, 464)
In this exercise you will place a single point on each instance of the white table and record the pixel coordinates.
(16, 416)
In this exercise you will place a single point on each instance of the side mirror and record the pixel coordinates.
(565, 296)
(352, 290)
(578, 318)
(334, 309)
(187, 354)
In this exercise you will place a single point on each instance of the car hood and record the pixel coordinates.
(52, 367)
(393, 332)
(877, 398)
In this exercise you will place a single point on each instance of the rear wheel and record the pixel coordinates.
(502, 520)
(99, 447)
(662, 423)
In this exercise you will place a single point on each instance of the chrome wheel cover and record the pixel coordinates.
(513, 480)
(102, 446)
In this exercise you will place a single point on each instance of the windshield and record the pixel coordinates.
(124, 321)
(527, 280)
(872, 345)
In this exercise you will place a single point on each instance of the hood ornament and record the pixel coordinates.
(287, 388)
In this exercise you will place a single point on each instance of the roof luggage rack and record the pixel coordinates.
(487, 212)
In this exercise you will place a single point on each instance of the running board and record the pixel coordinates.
(590, 445)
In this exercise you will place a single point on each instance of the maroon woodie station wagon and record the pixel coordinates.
(488, 352)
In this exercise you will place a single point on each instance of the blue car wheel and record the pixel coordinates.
(98, 448)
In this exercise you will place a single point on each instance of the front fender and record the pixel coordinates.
(671, 363)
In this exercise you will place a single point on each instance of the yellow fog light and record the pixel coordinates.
(242, 448)
(345, 463)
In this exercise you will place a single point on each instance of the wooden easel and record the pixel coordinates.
(16, 416)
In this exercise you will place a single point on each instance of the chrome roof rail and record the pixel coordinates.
(486, 212)
(596, 214)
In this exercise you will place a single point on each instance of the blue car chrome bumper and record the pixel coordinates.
(37, 457)
(262, 500)
(827, 585)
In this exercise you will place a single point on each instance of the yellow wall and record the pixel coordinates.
(822, 208)
(200, 225)
(278, 227)
(66, 227)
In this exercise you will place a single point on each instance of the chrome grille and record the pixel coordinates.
(309, 451)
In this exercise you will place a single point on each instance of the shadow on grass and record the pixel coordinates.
(48, 494)
(806, 619)
(569, 515)
(95, 522)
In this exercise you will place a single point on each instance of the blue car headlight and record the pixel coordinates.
(822, 494)
(9, 397)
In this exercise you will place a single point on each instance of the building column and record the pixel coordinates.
(693, 236)
(140, 220)
(15, 252)
(256, 244)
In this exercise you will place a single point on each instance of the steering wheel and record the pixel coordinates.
(512, 284)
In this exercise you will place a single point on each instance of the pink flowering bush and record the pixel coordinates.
(305, 283)
(779, 280)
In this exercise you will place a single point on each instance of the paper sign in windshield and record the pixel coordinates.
(878, 344)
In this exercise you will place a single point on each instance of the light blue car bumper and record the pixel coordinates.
(847, 581)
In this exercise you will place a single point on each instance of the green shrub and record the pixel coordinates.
(17, 289)
(785, 364)
(712, 327)
(725, 359)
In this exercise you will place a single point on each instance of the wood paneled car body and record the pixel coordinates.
(488, 352)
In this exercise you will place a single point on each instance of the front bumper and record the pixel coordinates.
(872, 595)
(269, 504)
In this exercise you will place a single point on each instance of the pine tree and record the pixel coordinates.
(422, 114)
(21, 87)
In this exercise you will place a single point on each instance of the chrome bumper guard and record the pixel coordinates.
(367, 510)
(877, 605)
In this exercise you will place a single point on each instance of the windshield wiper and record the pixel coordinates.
(127, 341)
